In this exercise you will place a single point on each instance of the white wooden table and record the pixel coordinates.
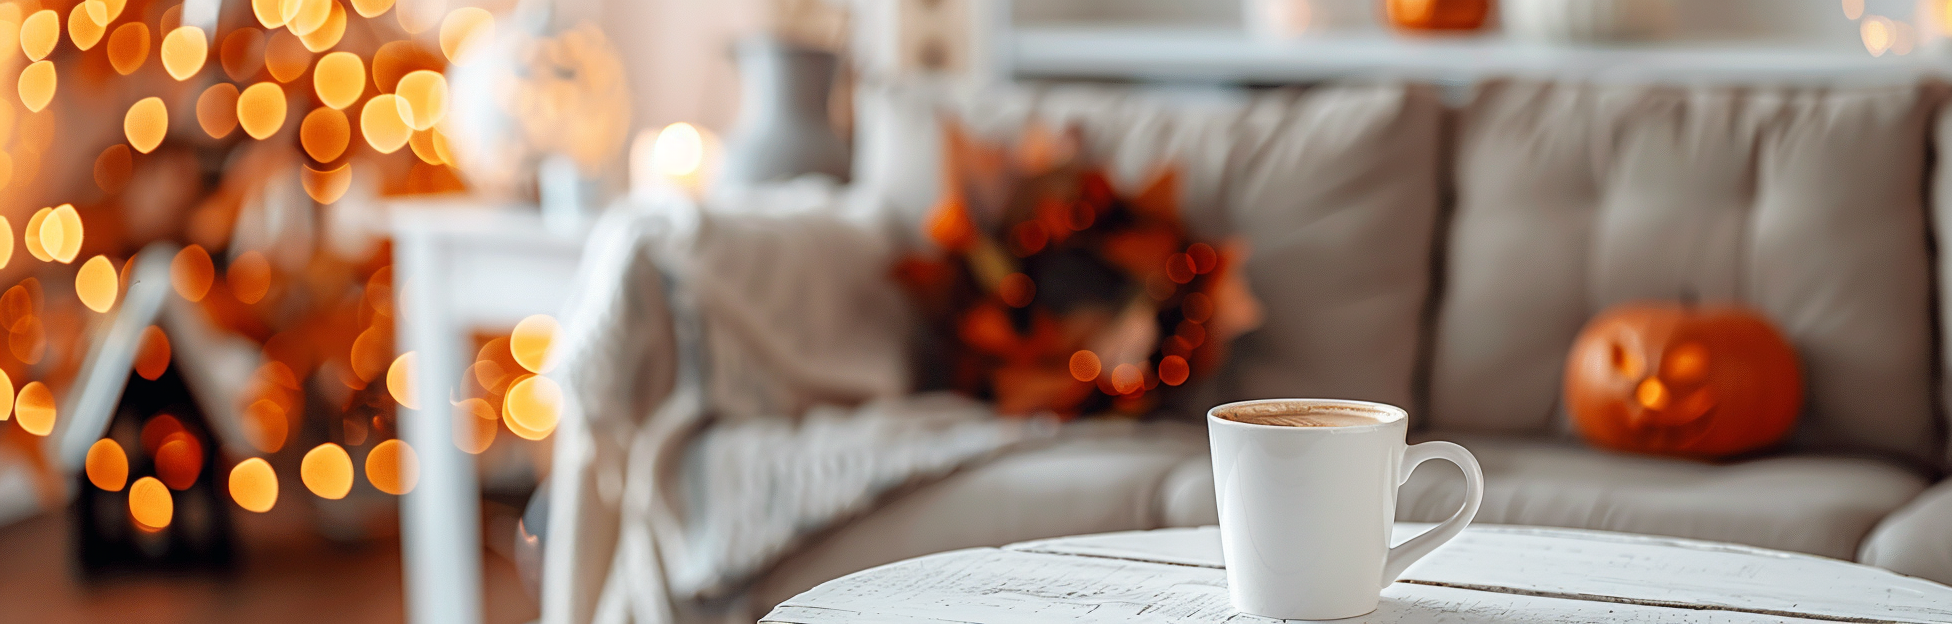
(1488, 574)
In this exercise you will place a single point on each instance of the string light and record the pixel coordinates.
(254, 485)
(184, 51)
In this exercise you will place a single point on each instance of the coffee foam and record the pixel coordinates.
(1306, 414)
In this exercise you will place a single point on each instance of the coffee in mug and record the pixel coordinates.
(1306, 490)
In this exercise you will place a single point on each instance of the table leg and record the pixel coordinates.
(440, 519)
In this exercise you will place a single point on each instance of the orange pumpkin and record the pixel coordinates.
(1437, 14)
(1673, 379)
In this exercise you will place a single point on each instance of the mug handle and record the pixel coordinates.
(1410, 551)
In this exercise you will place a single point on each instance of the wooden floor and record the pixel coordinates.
(287, 573)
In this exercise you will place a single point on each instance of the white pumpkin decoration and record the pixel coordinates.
(1588, 20)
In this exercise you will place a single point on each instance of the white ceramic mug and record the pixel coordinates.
(1306, 512)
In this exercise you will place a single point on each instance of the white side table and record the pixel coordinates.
(457, 268)
(1488, 574)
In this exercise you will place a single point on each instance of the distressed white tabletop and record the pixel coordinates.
(1488, 574)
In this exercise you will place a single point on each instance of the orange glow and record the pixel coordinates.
(266, 425)
(191, 272)
(6, 241)
(270, 13)
(184, 51)
(253, 485)
(1197, 307)
(217, 110)
(172, 18)
(417, 16)
(422, 143)
(400, 380)
(37, 84)
(150, 503)
(145, 124)
(83, 30)
(421, 98)
(493, 365)
(38, 34)
(95, 284)
(369, 353)
(1173, 370)
(1017, 290)
(532, 406)
(286, 56)
(242, 54)
(112, 168)
(179, 461)
(339, 79)
(324, 134)
(157, 430)
(107, 466)
(249, 276)
(1085, 365)
(474, 425)
(261, 109)
(531, 340)
(326, 186)
(128, 47)
(329, 33)
(27, 339)
(1126, 378)
(108, 9)
(382, 125)
(302, 17)
(152, 353)
(370, 8)
(34, 408)
(6, 396)
(465, 30)
(392, 467)
(678, 151)
(61, 233)
(1877, 35)
(327, 471)
(31, 235)
(396, 59)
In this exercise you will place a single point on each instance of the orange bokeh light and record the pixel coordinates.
(422, 143)
(392, 467)
(329, 33)
(152, 353)
(96, 285)
(1085, 365)
(422, 98)
(303, 17)
(6, 396)
(369, 352)
(270, 13)
(339, 79)
(396, 59)
(464, 30)
(150, 503)
(266, 425)
(242, 54)
(128, 47)
(38, 34)
(37, 85)
(531, 341)
(370, 8)
(474, 425)
(184, 51)
(261, 109)
(146, 123)
(327, 471)
(217, 110)
(286, 56)
(34, 408)
(61, 233)
(179, 461)
(191, 273)
(380, 122)
(324, 134)
(328, 185)
(400, 380)
(249, 276)
(157, 430)
(254, 485)
(1173, 370)
(83, 30)
(112, 169)
(27, 340)
(7, 241)
(532, 406)
(107, 466)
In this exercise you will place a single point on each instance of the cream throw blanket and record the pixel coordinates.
(736, 383)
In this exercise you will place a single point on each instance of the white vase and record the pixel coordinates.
(1588, 20)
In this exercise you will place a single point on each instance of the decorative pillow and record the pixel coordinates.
(1051, 291)
(1676, 379)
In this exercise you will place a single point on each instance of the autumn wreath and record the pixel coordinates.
(1051, 291)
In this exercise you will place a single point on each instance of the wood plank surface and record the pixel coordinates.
(1489, 574)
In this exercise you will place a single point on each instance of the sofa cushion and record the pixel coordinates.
(1335, 189)
(1817, 505)
(1806, 204)
(1917, 539)
(1088, 484)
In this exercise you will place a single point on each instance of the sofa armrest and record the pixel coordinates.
(1916, 539)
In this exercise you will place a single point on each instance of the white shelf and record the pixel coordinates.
(1233, 56)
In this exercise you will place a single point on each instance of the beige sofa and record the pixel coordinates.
(1442, 258)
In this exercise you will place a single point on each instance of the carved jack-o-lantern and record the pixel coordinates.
(1437, 14)
(1672, 379)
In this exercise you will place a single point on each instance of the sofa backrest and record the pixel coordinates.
(1336, 189)
(1807, 204)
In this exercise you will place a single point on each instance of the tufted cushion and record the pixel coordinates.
(1806, 204)
(1336, 190)
(1817, 505)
